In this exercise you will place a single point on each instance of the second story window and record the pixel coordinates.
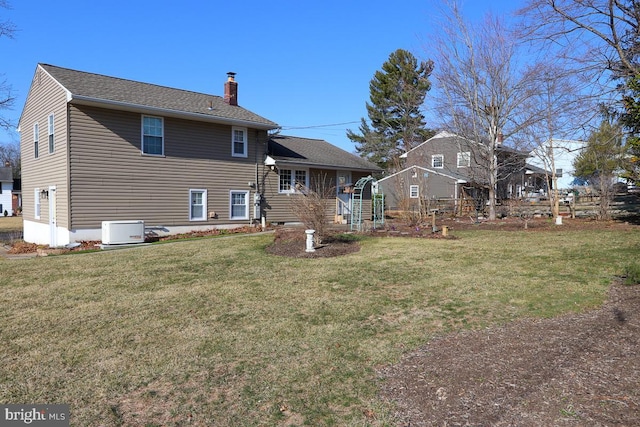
(437, 161)
(239, 142)
(464, 159)
(152, 135)
(51, 131)
(36, 140)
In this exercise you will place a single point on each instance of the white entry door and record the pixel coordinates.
(343, 186)
(53, 222)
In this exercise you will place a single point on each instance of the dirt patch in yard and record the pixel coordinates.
(574, 370)
(291, 242)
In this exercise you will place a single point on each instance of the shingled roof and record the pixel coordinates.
(89, 88)
(315, 152)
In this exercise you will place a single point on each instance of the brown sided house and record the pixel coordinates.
(96, 148)
(315, 164)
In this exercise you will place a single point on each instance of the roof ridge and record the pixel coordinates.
(300, 137)
(129, 80)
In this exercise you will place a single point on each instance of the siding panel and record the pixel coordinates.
(45, 97)
(112, 180)
(279, 205)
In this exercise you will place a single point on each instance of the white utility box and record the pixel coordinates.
(122, 232)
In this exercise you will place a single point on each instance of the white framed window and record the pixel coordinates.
(414, 191)
(36, 203)
(437, 161)
(238, 204)
(238, 142)
(291, 179)
(197, 205)
(464, 159)
(51, 133)
(36, 140)
(152, 135)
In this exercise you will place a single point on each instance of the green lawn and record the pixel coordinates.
(10, 223)
(218, 332)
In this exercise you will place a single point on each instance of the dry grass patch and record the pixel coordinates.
(10, 223)
(219, 332)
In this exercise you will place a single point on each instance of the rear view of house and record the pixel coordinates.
(96, 148)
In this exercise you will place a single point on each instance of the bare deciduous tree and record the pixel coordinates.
(7, 29)
(10, 155)
(484, 90)
(311, 204)
(600, 35)
(602, 40)
(562, 111)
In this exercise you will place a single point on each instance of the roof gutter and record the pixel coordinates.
(125, 106)
(322, 165)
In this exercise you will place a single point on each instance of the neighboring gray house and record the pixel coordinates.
(410, 188)
(457, 170)
(6, 191)
(97, 148)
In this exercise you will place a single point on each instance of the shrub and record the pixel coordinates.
(310, 204)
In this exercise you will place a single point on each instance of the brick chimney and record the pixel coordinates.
(231, 89)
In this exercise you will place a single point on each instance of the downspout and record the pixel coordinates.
(259, 188)
(256, 184)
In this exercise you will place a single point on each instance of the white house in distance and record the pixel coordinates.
(564, 153)
(6, 187)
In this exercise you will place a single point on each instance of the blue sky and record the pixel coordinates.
(304, 64)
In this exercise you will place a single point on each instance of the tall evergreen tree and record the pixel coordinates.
(395, 123)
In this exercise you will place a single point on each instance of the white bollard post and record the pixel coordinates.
(310, 240)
